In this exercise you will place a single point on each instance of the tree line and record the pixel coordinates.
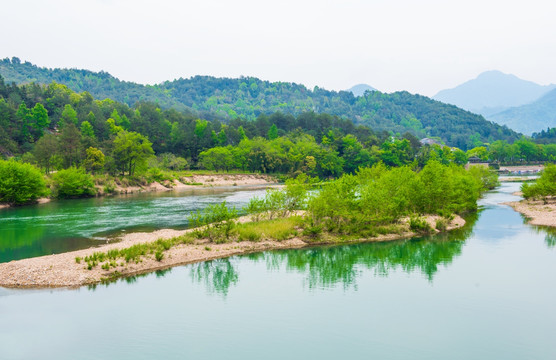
(247, 98)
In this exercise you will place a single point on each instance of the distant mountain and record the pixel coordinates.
(493, 92)
(248, 97)
(534, 117)
(359, 90)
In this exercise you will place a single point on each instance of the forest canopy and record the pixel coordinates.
(248, 98)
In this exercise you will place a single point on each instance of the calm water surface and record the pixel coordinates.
(66, 225)
(485, 292)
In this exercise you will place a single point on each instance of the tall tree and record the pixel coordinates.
(131, 150)
(40, 119)
(69, 115)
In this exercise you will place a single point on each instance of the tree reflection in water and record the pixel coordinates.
(218, 275)
(328, 266)
(550, 235)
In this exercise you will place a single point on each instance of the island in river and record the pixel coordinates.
(67, 269)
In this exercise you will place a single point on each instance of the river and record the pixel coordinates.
(67, 225)
(484, 292)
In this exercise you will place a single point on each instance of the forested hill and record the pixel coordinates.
(249, 97)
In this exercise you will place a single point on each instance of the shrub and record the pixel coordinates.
(544, 186)
(441, 224)
(159, 255)
(20, 183)
(215, 222)
(313, 231)
(419, 225)
(72, 183)
(109, 187)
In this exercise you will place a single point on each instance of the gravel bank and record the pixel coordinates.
(61, 270)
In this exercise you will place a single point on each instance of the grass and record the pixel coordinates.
(134, 253)
(277, 229)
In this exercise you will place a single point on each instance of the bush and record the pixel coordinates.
(215, 222)
(20, 183)
(109, 187)
(72, 183)
(544, 186)
(441, 224)
(419, 225)
(159, 255)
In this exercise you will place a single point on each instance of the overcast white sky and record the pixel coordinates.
(422, 46)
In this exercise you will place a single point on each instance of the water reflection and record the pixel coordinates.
(129, 279)
(329, 266)
(550, 234)
(217, 275)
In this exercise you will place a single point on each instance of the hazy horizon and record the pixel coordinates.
(422, 47)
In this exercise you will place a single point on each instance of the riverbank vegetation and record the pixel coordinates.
(544, 187)
(539, 205)
(373, 202)
(58, 130)
(20, 183)
(522, 151)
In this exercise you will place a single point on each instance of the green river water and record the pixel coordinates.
(66, 225)
(484, 292)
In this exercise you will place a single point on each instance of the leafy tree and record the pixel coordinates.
(218, 158)
(87, 129)
(131, 150)
(40, 119)
(480, 152)
(73, 182)
(272, 132)
(20, 183)
(69, 145)
(94, 161)
(69, 115)
(25, 120)
(172, 162)
(545, 185)
(45, 152)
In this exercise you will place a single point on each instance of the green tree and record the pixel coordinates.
(25, 119)
(40, 119)
(481, 152)
(45, 151)
(20, 183)
(218, 158)
(70, 145)
(545, 185)
(87, 129)
(242, 134)
(272, 132)
(69, 115)
(94, 160)
(131, 150)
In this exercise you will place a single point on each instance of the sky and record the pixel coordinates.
(422, 46)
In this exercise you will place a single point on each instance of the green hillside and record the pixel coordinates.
(247, 97)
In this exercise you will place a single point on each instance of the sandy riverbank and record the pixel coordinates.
(537, 211)
(199, 181)
(186, 182)
(61, 270)
(522, 168)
